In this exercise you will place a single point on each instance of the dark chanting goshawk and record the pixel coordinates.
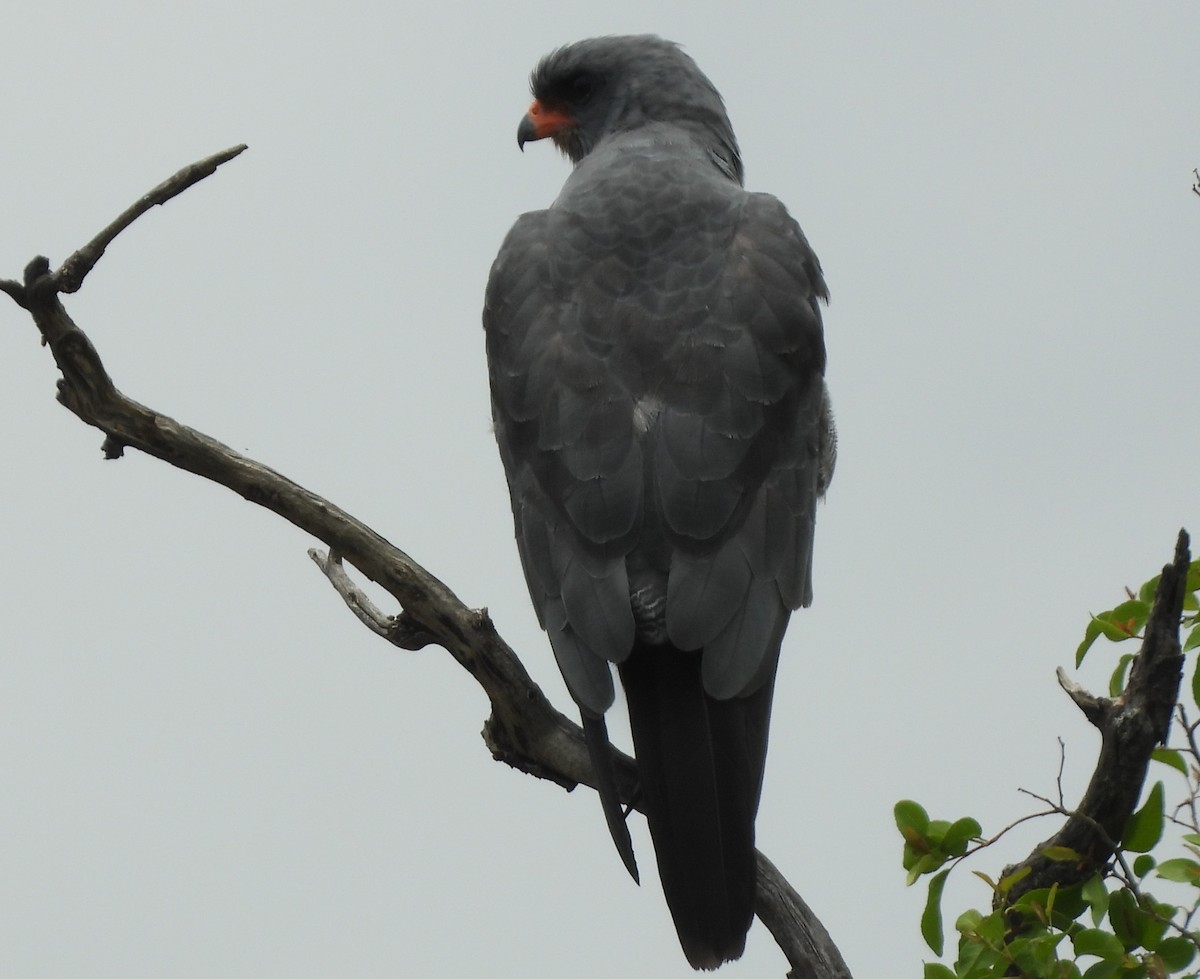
(656, 362)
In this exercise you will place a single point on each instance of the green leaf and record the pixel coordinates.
(1117, 624)
(1144, 829)
(1069, 903)
(1035, 955)
(1116, 632)
(978, 961)
(980, 931)
(959, 835)
(911, 816)
(1061, 854)
(1116, 682)
(1144, 864)
(1090, 635)
(1151, 928)
(1170, 757)
(1103, 970)
(1193, 838)
(912, 854)
(1149, 590)
(1196, 682)
(935, 970)
(1065, 903)
(931, 917)
(1193, 639)
(1180, 869)
(1129, 616)
(1103, 944)
(968, 922)
(926, 865)
(1123, 916)
(1192, 582)
(1006, 883)
(993, 928)
(1176, 952)
(1096, 895)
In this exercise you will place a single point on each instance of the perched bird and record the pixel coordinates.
(656, 361)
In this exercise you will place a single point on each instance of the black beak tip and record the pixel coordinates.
(526, 132)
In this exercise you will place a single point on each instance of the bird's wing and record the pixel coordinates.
(737, 459)
(656, 385)
(575, 475)
(575, 470)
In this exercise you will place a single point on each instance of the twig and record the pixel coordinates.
(524, 729)
(1193, 773)
(1062, 763)
(363, 608)
(74, 270)
(984, 844)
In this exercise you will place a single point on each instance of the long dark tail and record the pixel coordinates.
(700, 763)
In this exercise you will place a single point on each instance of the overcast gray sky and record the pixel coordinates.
(211, 770)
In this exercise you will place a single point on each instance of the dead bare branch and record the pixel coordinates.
(524, 730)
(74, 270)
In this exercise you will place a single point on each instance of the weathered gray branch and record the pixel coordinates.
(524, 729)
(1131, 726)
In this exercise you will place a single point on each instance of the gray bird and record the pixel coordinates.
(656, 361)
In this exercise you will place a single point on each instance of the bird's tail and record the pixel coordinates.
(700, 764)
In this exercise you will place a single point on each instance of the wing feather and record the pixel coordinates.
(738, 656)
(704, 593)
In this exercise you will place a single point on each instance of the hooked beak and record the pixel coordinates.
(540, 122)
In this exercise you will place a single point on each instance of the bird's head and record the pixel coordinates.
(592, 89)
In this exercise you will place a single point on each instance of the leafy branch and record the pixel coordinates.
(1098, 864)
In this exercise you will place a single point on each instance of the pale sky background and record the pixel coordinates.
(210, 769)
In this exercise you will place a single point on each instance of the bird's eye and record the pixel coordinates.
(582, 87)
